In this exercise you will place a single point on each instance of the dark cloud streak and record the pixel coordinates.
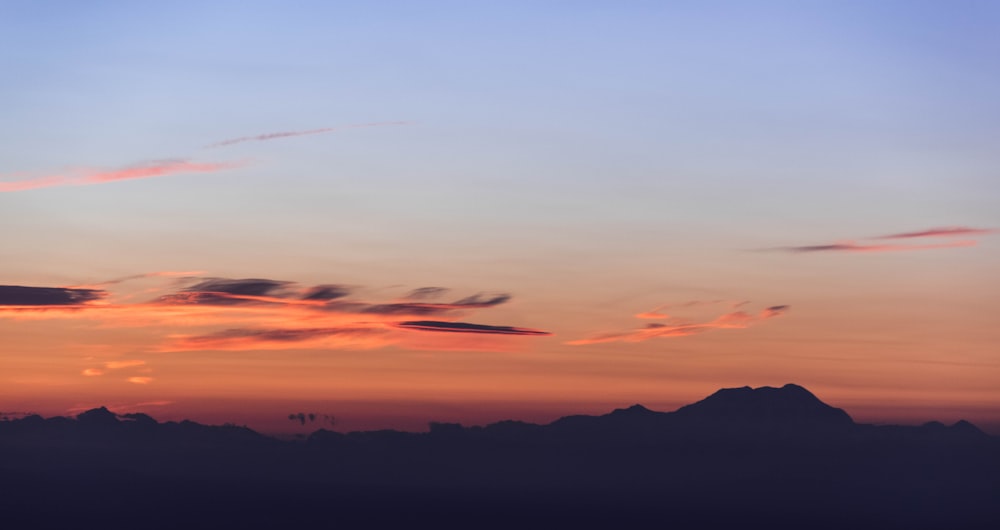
(943, 231)
(423, 293)
(326, 292)
(465, 327)
(17, 295)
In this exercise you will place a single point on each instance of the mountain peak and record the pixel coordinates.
(98, 416)
(790, 403)
(634, 409)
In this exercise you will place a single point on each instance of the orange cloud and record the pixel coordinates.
(255, 314)
(118, 365)
(92, 372)
(657, 314)
(733, 320)
(654, 314)
(87, 177)
(272, 136)
(140, 380)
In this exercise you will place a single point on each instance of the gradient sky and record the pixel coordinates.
(400, 212)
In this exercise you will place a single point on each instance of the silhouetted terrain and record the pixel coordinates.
(774, 456)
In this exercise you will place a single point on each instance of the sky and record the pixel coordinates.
(391, 213)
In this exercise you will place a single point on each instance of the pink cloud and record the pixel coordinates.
(148, 170)
(732, 320)
(272, 136)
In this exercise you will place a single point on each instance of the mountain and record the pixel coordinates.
(790, 405)
(778, 456)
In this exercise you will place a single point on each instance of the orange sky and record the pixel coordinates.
(471, 212)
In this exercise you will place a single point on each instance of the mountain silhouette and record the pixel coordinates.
(778, 456)
(790, 405)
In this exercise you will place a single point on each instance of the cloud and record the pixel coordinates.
(681, 328)
(478, 301)
(319, 298)
(944, 231)
(654, 314)
(464, 327)
(774, 311)
(215, 313)
(149, 169)
(657, 312)
(225, 291)
(92, 372)
(850, 246)
(140, 380)
(424, 293)
(273, 136)
(280, 338)
(159, 274)
(118, 365)
(248, 287)
(326, 292)
(17, 295)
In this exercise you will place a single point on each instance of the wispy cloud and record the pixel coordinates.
(939, 232)
(682, 328)
(657, 312)
(140, 380)
(944, 231)
(128, 363)
(357, 337)
(424, 293)
(851, 246)
(478, 301)
(115, 365)
(287, 134)
(465, 327)
(158, 274)
(147, 170)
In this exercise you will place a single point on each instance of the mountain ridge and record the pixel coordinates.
(739, 456)
(790, 404)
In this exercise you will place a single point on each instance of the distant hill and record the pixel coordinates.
(739, 456)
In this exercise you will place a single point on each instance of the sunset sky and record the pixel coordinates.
(400, 212)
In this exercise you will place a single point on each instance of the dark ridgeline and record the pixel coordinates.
(768, 456)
